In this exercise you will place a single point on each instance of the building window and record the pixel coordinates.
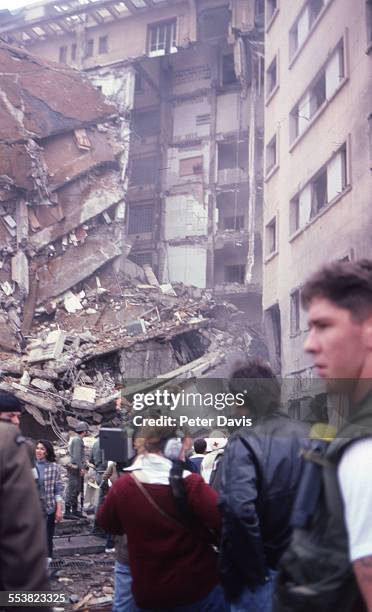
(228, 70)
(144, 171)
(369, 20)
(232, 155)
(89, 47)
(191, 165)
(320, 91)
(162, 38)
(214, 23)
(270, 237)
(140, 218)
(329, 182)
(103, 44)
(295, 312)
(271, 154)
(235, 274)
(271, 7)
(73, 52)
(271, 77)
(146, 124)
(304, 24)
(63, 55)
(315, 6)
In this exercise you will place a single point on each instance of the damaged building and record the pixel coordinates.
(131, 196)
(77, 317)
(188, 77)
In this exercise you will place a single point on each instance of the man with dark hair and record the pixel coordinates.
(338, 300)
(76, 470)
(260, 475)
(23, 550)
(200, 448)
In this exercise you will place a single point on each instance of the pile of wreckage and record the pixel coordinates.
(77, 317)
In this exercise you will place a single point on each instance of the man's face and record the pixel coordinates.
(338, 344)
(11, 417)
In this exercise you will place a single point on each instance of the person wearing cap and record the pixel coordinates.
(172, 560)
(23, 549)
(216, 443)
(76, 470)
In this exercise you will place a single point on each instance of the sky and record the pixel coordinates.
(14, 4)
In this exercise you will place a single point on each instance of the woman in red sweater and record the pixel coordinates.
(173, 564)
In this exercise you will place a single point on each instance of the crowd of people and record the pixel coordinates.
(271, 518)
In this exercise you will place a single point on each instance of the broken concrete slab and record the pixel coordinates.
(84, 394)
(22, 82)
(31, 397)
(62, 272)
(66, 161)
(8, 339)
(20, 273)
(71, 302)
(94, 198)
(150, 276)
(50, 348)
(43, 385)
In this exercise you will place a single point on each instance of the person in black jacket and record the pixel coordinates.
(260, 474)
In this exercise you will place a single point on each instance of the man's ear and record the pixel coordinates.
(367, 332)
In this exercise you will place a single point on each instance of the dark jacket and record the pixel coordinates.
(23, 549)
(260, 474)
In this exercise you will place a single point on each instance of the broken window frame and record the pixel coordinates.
(315, 97)
(162, 38)
(103, 44)
(271, 237)
(73, 52)
(62, 54)
(319, 187)
(272, 78)
(140, 218)
(208, 18)
(295, 312)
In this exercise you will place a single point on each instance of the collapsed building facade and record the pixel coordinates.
(188, 75)
(131, 243)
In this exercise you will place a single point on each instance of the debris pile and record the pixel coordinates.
(74, 362)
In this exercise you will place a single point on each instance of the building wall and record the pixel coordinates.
(342, 226)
